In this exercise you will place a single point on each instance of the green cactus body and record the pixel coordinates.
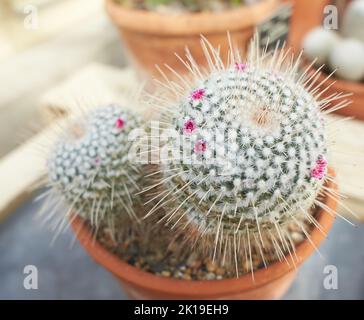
(90, 169)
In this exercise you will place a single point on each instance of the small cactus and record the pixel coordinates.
(251, 152)
(89, 167)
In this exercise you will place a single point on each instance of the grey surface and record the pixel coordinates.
(69, 273)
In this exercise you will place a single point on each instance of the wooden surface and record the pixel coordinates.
(21, 170)
(93, 85)
(347, 154)
(71, 34)
(16, 37)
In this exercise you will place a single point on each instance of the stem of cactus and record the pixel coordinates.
(257, 146)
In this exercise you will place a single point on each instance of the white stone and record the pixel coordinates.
(353, 21)
(348, 56)
(318, 44)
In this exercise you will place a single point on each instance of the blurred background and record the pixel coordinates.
(56, 54)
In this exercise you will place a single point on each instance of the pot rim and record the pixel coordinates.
(190, 23)
(142, 279)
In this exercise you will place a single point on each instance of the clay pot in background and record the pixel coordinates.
(356, 108)
(152, 38)
(306, 15)
(270, 283)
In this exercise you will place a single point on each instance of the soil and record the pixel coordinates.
(161, 261)
(181, 6)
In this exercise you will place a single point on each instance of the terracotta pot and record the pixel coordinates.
(270, 283)
(306, 15)
(356, 108)
(152, 38)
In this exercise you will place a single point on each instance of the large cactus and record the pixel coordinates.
(90, 168)
(250, 157)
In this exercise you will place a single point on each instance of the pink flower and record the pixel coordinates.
(200, 146)
(321, 161)
(318, 172)
(120, 123)
(97, 161)
(276, 74)
(189, 126)
(198, 94)
(240, 66)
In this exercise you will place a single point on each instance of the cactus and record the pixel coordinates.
(89, 167)
(250, 157)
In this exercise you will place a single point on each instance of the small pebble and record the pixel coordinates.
(247, 266)
(187, 277)
(165, 273)
(297, 237)
(210, 267)
(220, 271)
(210, 276)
